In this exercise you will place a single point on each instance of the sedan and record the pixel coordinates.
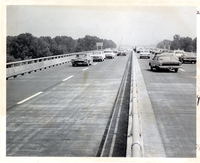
(165, 61)
(98, 56)
(109, 54)
(188, 57)
(145, 54)
(81, 59)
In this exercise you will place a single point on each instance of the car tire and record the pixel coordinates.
(151, 68)
(157, 68)
(176, 69)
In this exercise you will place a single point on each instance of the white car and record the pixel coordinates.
(109, 53)
(98, 56)
(179, 54)
(145, 54)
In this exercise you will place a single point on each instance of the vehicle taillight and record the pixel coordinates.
(72, 60)
(85, 60)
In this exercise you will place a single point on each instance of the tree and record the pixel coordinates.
(26, 46)
(194, 44)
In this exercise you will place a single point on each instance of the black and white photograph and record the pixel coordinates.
(101, 80)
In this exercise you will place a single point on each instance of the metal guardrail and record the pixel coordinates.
(134, 147)
(14, 69)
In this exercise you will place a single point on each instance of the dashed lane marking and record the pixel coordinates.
(84, 69)
(95, 63)
(68, 78)
(29, 98)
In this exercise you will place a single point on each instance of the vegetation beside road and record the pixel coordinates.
(26, 46)
(183, 43)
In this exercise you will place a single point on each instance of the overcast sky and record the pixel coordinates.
(128, 25)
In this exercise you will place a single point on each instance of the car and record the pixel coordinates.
(188, 57)
(98, 56)
(145, 54)
(115, 51)
(82, 59)
(165, 61)
(156, 51)
(178, 53)
(122, 53)
(109, 53)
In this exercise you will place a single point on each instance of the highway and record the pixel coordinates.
(173, 99)
(62, 111)
(65, 110)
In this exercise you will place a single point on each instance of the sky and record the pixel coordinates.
(125, 25)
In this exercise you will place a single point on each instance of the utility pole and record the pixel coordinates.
(120, 42)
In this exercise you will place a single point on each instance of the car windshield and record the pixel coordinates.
(179, 53)
(81, 55)
(96, 52)
(166, 58)
(107, 51)
(190, 55)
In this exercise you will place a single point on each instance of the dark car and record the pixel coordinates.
(121, 53)
(165, 61)
(188, 57)
(82, 59)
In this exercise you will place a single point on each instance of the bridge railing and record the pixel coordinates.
(27, 66)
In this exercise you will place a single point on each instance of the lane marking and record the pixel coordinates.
(29, 98)
(95, 63)
(84, 69)
(68, 78)
(182, 69)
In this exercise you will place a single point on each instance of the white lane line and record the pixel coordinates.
(29, 98)
(68, 78)
(95, 63)
(182, 69)
(84, 69)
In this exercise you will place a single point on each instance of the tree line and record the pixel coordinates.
(183, 43)
(26, 46)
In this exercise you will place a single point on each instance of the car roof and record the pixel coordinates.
(81, 54)
(179, 51)
(166, 54)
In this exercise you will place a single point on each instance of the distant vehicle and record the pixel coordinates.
(82, 59)
(115, 51)
(165, 61)
(179, 53)
(156, 51)
(188, 57)
(138, 49)
(145, 54)
(122, 53)
(109, 54)
(98, 56)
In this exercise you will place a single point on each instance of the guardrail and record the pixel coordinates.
(134, 147)
(13, 69)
